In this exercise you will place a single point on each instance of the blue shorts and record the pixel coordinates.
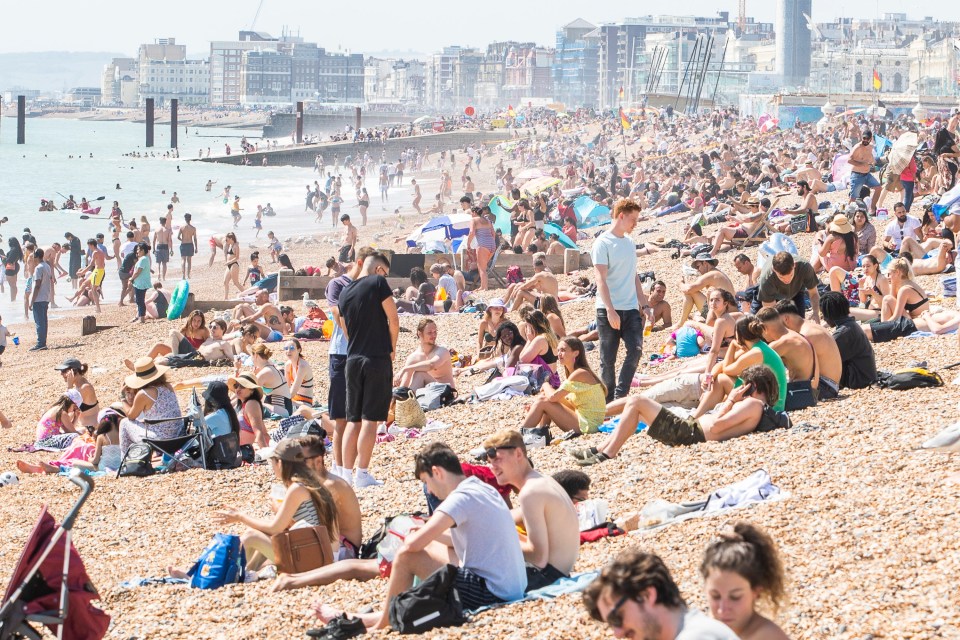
(274, 336)
(860, 180)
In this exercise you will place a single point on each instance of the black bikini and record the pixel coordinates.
(911, 307)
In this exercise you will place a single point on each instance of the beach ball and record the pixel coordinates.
(773, 245)
(8, 479)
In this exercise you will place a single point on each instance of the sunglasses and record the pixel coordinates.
(291, 348)
(615, 618)
(491, 452)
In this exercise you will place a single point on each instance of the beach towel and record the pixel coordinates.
(574, 584)
(502, 388)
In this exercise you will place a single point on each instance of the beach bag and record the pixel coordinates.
(514, 274)
(436, 395)
(602, 530)
(432, 604)
(137, 463)
(771, 420)
(306, 428)
(800, 395)
(408, 414)
(912, 378)
(302, 549)
(221, 563)
(224, 452)
(799, 224)
(517, 385)
(188, 360)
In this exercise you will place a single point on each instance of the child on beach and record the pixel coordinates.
(4, 332)
(258, 222)
(254, 271)
(275, 247)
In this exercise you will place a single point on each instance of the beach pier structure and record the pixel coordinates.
(300, 123)
(150, 117)
(174, 103)
(21, 119)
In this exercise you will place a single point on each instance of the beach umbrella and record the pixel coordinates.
(441, 228)
(551, 227)
(903, 150)
(500, 207)
(590, 213)
(535, 186)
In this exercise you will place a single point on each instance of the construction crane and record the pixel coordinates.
(260, 6)
(741, 17)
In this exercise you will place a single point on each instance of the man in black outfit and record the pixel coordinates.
(370, 321)
(856, 352)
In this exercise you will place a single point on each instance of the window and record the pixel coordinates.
(858, 82)
(897, 82)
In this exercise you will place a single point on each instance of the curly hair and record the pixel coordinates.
(630, 574)
(748, 551)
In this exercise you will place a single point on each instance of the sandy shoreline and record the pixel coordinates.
(867, 534)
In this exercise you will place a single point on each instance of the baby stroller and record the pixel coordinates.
(50, 585)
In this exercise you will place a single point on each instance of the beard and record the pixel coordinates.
(650, 627)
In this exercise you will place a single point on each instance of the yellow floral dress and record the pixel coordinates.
(590, 402)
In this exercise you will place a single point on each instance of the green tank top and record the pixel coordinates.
(772, 359)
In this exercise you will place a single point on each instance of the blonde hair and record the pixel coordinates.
(261, 350)
(902, 266)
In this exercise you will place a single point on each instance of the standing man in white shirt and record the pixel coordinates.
(620, 299)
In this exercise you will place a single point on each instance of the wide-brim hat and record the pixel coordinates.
(497, 302)
(245, 380)
(840, 224)
(145, 371)
(705, 257)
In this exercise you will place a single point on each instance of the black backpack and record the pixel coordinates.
(910, 378)
(138, 461)
(432, 604)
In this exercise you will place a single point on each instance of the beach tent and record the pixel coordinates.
(535, 186)
(841, 167)
(500, 207)
(551, 227)
(590, 213)
(441, 228)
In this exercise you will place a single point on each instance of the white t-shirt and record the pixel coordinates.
(894, 231)
(4, 332)
(699, 626)
(129, 247)
(485, 537)
(619, 255)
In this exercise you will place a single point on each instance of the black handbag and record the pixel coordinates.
(433, 603)
(138, 462)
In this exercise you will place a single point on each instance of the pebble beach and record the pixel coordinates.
(867, 530)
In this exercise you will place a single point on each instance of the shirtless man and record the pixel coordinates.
(349, 241)
(808, 206)
(756, 213)
(417, 196)
(262, 308)
(96, 267)
(541, 283)
(556, 247)
(693, 292)
(828, 354)
(552, 540)
(861, 162)
(188, 245)
(657, 307)
(162, 239)
(428, 363)
(797, 353)
(216, 347)
(812, 177)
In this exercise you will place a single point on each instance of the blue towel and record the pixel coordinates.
(609, 425)
(574, 584)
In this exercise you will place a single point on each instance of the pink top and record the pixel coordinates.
(48, 427)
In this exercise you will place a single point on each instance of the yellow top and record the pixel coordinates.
(590, 401)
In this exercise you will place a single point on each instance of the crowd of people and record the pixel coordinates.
(779, 334)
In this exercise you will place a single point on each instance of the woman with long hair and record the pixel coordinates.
(541, 347)
(579, 404)
(148, 396)
(866, 296)
(481, 238)
(11, 265)
(57, 427)
(249, 409)
(275, 388)
(493, 316)
(231, 252)
(74, 375)
(507, 347)
(838, 249)
(218, 411)
(298, 373)
(741, 569)
(906, 299)
(551, 309)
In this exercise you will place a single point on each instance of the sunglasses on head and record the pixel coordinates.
(491, 452)
(615, 617)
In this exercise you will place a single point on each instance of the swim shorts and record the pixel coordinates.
(186, 250)
(97, 276)
(671, 429)
(893, 329)
(162, 253)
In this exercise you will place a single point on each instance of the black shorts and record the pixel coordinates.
(893, 329)
(671, 429)
(538, 578)
(3, 348)
(369, 388)
(473, 590)
(337, 396)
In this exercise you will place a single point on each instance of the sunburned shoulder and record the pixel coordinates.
(763, 629)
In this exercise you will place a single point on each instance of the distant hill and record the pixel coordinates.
(53, 70)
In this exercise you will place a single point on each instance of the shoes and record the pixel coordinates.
(365, 479)
(592, 459)
(569, 435)
(340, 628)
(536, 437)
(38, 348)
(584, 453)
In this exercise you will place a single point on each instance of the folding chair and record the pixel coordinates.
(189, 445)
(492, 273)
(757, 235)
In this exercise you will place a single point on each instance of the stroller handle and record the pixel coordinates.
(85, 483)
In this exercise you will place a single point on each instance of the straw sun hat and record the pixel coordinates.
(243, 380)
(840, 224)
(145, 371)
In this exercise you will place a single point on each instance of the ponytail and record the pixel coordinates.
(750, 552)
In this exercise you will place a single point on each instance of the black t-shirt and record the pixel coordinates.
(361, 307)
(126, 265)
(856, 353)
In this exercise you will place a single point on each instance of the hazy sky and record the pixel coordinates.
(374, 25)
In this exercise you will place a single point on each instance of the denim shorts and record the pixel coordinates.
(860, 180)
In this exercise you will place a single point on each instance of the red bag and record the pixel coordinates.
(605, 530)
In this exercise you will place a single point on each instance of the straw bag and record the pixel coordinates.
(408, 414)
(302, 549)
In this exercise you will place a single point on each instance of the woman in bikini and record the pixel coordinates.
(541, 347)
(74, 374)
(494, 316)
(481, 237)
(231, 251)
(249, 408)
(277, 392)
(871, 289)
(298, 373)
(185, 341)
(907, 299)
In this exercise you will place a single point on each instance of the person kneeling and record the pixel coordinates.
(745, 409)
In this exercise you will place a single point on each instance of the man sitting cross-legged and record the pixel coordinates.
(541, 283)
(428, 363)
(471, 528)
(546, 513)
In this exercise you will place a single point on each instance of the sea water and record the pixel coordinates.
(88, 159)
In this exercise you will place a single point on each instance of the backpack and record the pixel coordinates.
(433, 603)
(306, 428)
(435, 395)
(224, 452)
(514, 275)
(771, 420)
(912, 378)
(221, 563)
(137, 463)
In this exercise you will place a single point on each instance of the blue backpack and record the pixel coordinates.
(221, 563)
